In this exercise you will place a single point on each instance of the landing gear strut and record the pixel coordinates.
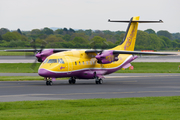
(48, 81)
(72, 80)
(98, 80)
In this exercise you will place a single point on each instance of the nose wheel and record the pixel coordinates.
(48, 81)
(72, 80)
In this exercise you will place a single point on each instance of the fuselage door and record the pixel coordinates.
(70, 65)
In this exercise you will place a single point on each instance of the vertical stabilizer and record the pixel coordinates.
(129, 39)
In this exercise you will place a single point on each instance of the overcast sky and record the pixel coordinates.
(88, 14)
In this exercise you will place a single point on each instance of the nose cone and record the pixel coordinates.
(38, 55)
(44, 73)
(98, 56)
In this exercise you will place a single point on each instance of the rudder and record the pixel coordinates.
(129, 39)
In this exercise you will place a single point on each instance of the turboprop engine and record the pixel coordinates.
(106, 57)
(42, 55)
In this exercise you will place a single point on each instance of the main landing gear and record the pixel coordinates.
(48, 81)
(72, 80)
(98, 80)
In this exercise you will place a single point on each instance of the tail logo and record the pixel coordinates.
(129, 39)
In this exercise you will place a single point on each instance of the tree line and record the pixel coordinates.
(100, 39)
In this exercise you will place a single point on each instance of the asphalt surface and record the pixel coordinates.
(114, 86)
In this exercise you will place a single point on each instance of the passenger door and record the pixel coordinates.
(70, 65)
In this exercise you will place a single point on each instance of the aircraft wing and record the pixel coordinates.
(129, 52)
(35, 50)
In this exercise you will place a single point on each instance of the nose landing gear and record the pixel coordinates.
(48, 81)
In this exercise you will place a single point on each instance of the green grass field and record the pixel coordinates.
(157, 108)
(20, 78)
(3, 53)
(145, 67)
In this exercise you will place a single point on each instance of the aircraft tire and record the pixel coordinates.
(47, 82)
(50, 83)
(97, 82)
(73, 81)
(100, 81)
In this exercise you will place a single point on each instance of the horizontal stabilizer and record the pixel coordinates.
(160, 21)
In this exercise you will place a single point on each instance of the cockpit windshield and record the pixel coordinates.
(45, 60)
(52, 61)
(60, 61)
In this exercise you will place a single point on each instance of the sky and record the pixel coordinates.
(88, 14)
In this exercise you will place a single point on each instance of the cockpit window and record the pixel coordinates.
(61, 61)
(45, 60)
(52, 61)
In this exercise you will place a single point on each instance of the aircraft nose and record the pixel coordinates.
(43, 72)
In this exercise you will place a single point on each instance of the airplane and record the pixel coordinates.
(91, 63)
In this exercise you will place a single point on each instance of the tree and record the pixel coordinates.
(58, 31)
(11, 36)
(142, 39)
(167, 41)
(35, 32)
(150, 31)
(155, 42)
(3, 31)
(53, 39)
(88, 32)
(47, 31)
(164, 33)
(98, 42)
(79, 40)
(71, 31)
(19, 31)
(1, 37)
(65, 31)
(67, 37)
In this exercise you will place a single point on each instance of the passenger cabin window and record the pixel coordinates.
(61, 61)
(52, 61)
(83, 62)
(75, 63)
(87, 62)
(79, 63)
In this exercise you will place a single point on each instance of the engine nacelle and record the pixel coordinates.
(41, 56)
(106, 57)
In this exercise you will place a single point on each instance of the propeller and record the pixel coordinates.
(99, 52)
(37, 52)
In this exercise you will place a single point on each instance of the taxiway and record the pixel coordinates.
(114, 86)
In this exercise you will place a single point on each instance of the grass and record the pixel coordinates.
(97, 109)
(153, 67)
(20, 78)
(18, 68)
(146, 67)
(3, 53)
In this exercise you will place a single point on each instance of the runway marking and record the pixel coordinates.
(22, 95)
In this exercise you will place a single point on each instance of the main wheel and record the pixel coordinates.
(70, 80)
(47, 82)
(73, 81)
(50, 82)
(97, 82)
(100, 81)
